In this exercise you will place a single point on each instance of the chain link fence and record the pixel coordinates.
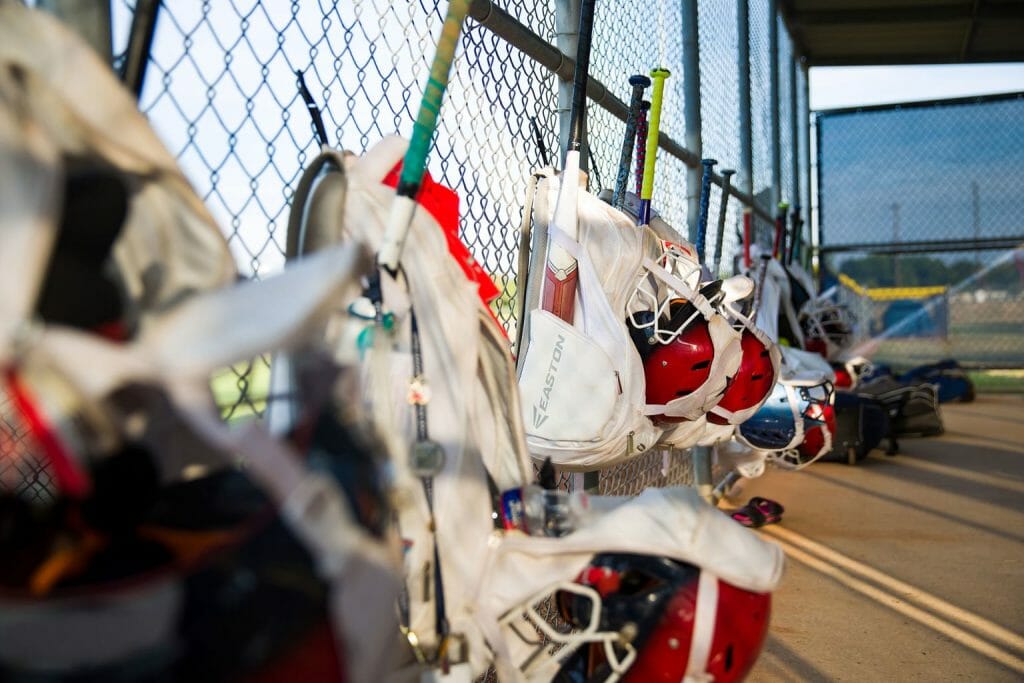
(221, 92)
(920, 213)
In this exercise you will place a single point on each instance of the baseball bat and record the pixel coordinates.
(639, 82)
(748, 217)
(705, 205)
(651, 151)
(723, 207)
(780, 230)
(415, 161)
(558, 294)
(641, 144)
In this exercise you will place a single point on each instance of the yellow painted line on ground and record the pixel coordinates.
(843, 565)
(896, 604)
(1011, 485)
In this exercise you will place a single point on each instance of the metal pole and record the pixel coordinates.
(140, 41)
(773, 95)
(567, 27)
(817, 233)
(691, 111)
(745, 173)
(90, 19)
(794, 137)
(805, 123)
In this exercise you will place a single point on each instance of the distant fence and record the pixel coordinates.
(922, 206)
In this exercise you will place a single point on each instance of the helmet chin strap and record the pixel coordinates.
(704, 617)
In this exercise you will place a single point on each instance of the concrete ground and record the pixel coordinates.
(905, 568)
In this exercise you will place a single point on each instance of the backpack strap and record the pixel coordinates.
(301, 239)
(533, 247)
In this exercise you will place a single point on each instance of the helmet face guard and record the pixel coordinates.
(687, 348)
(642, 618)
(827, 327)
(793, 409)
(666, 302)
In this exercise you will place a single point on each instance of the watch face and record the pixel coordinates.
(426, 458)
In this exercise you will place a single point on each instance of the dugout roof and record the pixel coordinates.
(864, 32)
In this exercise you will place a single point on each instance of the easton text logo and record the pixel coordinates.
(540, 409)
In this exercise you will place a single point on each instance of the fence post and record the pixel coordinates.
(805, 123)
(746, 168)
(817, 234)
(567, 31)
(691, 113)
(691, 109)
(773, 95)
(794, 136)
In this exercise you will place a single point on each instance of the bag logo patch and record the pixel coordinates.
(540, 409)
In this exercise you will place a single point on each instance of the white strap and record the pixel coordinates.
(704, 617)
(562, 239)
(678, 285)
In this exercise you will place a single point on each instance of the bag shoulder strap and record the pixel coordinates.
(328, 161)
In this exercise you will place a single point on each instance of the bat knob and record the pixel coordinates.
(783, 206)
(709, 162)
(660, 72)
(645, 105)
(728, 172)
(639, 79)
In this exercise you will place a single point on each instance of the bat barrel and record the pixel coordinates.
(647, 190)
(795, 237)
(578, 117)
(641, 144)
(748, 217)
(727, 175)
(705, 202)
(780, 231)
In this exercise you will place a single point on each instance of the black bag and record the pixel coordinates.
(861, 424)
(952, 381)
(913, 408)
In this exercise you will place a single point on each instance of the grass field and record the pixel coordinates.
(999, 381)
(241, 390)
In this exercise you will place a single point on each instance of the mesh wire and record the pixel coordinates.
(23, 470)
(760, 100)
(221, 92)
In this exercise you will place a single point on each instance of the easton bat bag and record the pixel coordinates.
(583, 385)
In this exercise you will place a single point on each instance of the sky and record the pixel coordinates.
(836, 87)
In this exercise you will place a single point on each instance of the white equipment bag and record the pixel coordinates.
(473, 413)
(61, 109)
(582, 385)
